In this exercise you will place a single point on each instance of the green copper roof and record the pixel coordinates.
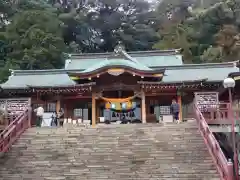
(117, 62)
(211, 72)
(156, 61)
(149, 59)
(214, 72)
(38, 80)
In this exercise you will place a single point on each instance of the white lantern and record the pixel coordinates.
(229, 83)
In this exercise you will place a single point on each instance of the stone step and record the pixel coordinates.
(111, 152)
(72, 176)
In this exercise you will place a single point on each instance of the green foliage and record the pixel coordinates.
(35, 34)
(34, 40)
(99, 25)
(209, 35)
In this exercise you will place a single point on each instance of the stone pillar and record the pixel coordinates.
(179, 100)
(143, 107)
(93, 109)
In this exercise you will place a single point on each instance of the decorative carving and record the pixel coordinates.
(115, 72)
(119, 48)
(117, 86)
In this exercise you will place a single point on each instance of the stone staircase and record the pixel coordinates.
(110, 152)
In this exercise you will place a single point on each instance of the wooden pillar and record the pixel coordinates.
(58, 105)
(147, 107)
(179, 100)
(143, 107)
(65, 107)
(93, 109)
(97, 113)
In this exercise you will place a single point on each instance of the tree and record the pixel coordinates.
(34, 40)
(204, 32)
(228, 40)
(98, 26)
(216, 31)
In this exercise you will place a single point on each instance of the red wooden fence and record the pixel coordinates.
(15, 129)
(221, 114)
(224, 167)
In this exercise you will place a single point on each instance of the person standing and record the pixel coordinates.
(175, 110)
(61, 117)
(39, 112)
(54, 119)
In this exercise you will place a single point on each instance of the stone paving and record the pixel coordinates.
(110, 152)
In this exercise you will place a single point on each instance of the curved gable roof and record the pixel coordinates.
(148, 59)
(117, 63)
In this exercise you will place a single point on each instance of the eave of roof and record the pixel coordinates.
(234, 74)
(185, 66)
(173, 82)
(39, 72)
(201, 66)
(105, 68)
(67, 86)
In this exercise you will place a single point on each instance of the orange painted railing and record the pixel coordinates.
(224, 167)
(12, 132)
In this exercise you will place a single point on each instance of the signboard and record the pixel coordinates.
(206, 100)
(47, 119)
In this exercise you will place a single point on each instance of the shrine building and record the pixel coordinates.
(137, 86)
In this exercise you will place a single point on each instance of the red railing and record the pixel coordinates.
(224, 167)
(12, 132)
(219, 113)
(223, 113)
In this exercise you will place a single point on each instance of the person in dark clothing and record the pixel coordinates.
(61, 117)
(54, 119)
(175, 110)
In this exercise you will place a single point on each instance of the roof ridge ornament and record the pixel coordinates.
(12, 72)
(119, 48)
(118, 52)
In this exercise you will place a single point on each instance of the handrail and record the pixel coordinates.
(218, 113)
(10, 134)
(224, 167)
